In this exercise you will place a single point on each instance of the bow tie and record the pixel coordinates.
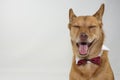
(95, 60)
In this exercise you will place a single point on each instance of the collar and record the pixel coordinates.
(103, 48)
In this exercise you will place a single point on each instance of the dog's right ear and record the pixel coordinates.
(71, 15)
(99, 13)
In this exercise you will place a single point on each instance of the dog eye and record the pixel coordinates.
(76, 26)
(92, 27)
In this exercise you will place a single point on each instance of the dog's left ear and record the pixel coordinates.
(71, 15)
(99, 13)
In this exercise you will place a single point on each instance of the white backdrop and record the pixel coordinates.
(35, 42)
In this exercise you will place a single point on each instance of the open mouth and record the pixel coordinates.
(83, 47)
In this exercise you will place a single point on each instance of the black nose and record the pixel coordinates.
(83, 36)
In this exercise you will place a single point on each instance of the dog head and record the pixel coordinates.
(85, 31)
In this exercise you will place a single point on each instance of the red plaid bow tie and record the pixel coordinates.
(95, 60)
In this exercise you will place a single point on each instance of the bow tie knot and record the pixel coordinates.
(95, 60)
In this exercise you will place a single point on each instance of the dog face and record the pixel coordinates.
(85, 31)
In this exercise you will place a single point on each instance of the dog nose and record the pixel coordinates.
(83, 36)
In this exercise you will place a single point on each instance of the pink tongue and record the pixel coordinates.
(83, 49)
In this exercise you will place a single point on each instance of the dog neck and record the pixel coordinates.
(100, 54)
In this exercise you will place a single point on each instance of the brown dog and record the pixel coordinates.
(90, 60)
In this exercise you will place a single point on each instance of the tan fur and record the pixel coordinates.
(92, 26)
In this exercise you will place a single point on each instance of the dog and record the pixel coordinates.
(90, 56)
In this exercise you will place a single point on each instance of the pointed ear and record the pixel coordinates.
(71, 15)
(100, 12)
